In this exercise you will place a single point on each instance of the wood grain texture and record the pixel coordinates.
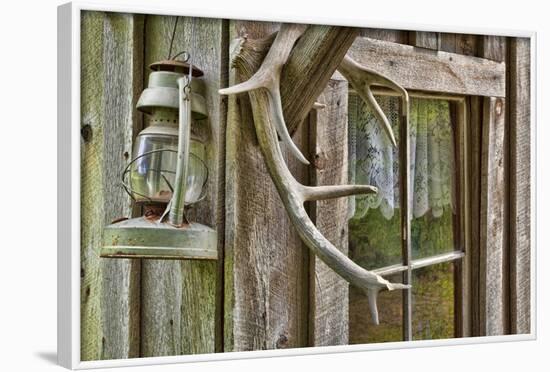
(394, 36)
(474, 123)
(179, 298)
(520, 184)
(328, 291)
(92, 218)
(123, 58)
(427, 40)
(459, 43)
(322, 46)
(418, 69)
(161, 283)
(492, 47)
(493, 254)
(111, 76)
(265, 264)
(492, 219)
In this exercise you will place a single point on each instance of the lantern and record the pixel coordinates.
(167, 173)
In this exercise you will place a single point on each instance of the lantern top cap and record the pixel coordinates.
(175, 66)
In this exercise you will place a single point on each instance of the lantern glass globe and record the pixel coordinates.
(153, 172)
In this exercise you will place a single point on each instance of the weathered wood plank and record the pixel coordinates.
(161, 283)
(462, 269)
(520, 184)
(459, 43)
(92, 217)
(265, 264)
(492, 219)
(447, 42)
(493, 292)
(474, 191)
(110, 60)
(492, 47)
(418, 69)
(426, 40)
(394, 36)
(234, 118)
(328, 291)
(179, 298)
(201, 315)
(123, 62)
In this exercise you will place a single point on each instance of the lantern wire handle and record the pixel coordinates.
(172, 39)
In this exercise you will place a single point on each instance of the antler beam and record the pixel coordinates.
(267, 119)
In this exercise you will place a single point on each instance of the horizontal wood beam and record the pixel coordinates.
(427, 70)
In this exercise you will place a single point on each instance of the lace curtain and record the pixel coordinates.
(374, 161)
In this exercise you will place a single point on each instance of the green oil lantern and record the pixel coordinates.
(167, 173)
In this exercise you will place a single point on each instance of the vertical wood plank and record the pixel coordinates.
(110, 77)
(462, 240)
(466, 156)
(458, 43)
(428, 40)
(474, 188)
(448, 42)
(179, 298)
(520, 184)
(200, 316)
(492, 219)
(328, 291)
(91, 204)
(123, 62)
(493, 47)
(161, 283)
(265, 263)
(394, 36)
(493, 291)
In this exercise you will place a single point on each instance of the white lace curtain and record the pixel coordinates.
(373, 161)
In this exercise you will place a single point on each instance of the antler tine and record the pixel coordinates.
(293, 194)
(330, 192)
(268, 77)
(361, 78)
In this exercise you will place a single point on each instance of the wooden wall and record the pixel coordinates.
(133, 308)
(266, 291)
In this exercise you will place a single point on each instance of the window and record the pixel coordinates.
(426, 250)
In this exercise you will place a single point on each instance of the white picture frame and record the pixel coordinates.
(69, 189)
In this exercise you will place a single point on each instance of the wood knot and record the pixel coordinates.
(498, 107)
(320, 160)
(282, 342)
(87, 133)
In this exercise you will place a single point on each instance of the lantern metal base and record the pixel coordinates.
(143, 238)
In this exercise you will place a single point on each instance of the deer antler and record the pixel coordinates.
(361, 78)
(269, 76)
(267, 118)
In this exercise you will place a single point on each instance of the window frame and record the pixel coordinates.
(467, 82)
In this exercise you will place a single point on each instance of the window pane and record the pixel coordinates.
(433, 302)
(374, 161)
(390, 307)
(374, 241)
(431, 173)
(374, 227)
